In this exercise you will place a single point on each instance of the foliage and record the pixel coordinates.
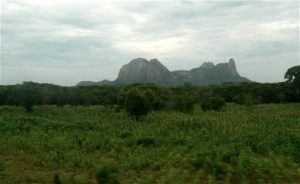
(28, 104)
(29, 98)
(293, 75)
(213, 103)
(158, 97)
(70, 134)
(257, 146)
(108, 175)
(138, 100)
(56, 179)
(184, 103)
(136, 104)
(245, 99)
(154, 99)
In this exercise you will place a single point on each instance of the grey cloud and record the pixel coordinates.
(93, 40)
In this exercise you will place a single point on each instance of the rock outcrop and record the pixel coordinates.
(141, 70)
(231, 68)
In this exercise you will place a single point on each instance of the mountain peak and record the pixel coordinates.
(154, 61)
(138, 60)
(231, 60)
(232, 68)
(207, 65)
(140, 70)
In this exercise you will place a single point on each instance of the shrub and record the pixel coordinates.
(56, 179)
(28, 100)
(184, 103)
(213, 103)
(154, 99)
(136, 104)
(245, 99)
(108, 175)
(28, 104)
(145, 142)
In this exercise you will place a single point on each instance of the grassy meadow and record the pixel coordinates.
(257, 144)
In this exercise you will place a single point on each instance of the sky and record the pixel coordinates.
(67, 41)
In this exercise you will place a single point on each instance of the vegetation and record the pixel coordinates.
(213, 103)
(56, 179)
(136, 104)
(293, 75)
(155, 97)
(181, 99)
(234, 145)
(108, 175)
(188, 134)
(245, 99)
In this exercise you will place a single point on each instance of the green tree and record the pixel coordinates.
(136, 104)
(28, 103)
(29, 97)
(184, 103)
(292, 75)
(213, 103)
(245, 99)
(154, 99)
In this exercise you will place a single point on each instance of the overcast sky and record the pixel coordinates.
(67, 41)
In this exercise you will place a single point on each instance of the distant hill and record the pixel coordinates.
(141, 70)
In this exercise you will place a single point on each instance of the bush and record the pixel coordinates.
(28, 104)
(154, 99)
(56, 179)
(108, 175)
(213, 103)
(29, 99)
(184, 103)
(139, 100)
(245, 99)
(136, 104)
(146, 142)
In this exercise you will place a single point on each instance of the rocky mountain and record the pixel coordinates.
(141, 70)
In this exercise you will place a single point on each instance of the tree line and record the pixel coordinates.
(148, 97)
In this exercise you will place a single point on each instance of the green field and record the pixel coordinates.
(258, 144)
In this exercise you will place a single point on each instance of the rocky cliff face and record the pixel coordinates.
(143, 71)
(231, 68)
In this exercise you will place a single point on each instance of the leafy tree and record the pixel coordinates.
(245, 99)
(75, 97)
(2, 95)
(213, 103)
(29, 98)
(154, 99)
(28, 104)
(292, 75)
(136, 104)
(184, 103)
